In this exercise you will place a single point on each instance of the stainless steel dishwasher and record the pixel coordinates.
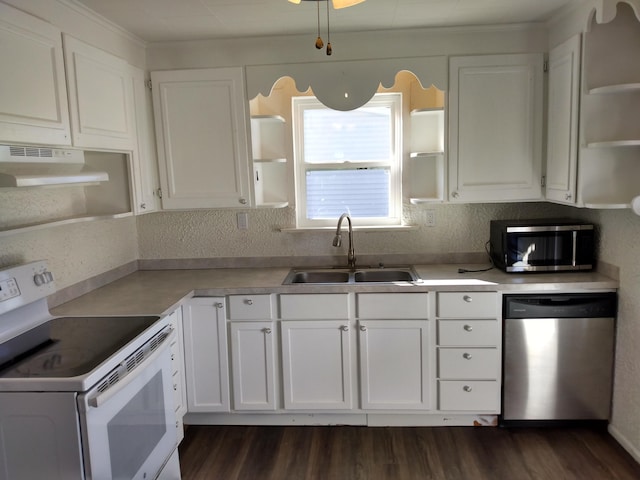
(558, 358)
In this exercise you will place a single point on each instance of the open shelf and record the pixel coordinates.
(268, 142)
(34, 208)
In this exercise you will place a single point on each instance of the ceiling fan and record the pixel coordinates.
(337, 4)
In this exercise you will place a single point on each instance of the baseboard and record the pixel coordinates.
(626, 444)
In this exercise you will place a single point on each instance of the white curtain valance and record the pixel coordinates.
(347, 85)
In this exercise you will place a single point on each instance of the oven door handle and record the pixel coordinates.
(119, 385)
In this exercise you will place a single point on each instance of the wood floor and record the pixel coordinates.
(402, 453)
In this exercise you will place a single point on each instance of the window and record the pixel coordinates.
(348, 162)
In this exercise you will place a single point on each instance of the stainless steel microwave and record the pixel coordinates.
(541, 245)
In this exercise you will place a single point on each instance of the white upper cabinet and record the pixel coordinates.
(201, 119)
(144, 160)
(495, 128)
(100, 97)
(33, 97)
(562, 123)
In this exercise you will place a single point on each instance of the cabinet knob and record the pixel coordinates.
(248, 301)
(455, 194)
(344, 328)
(243, 201)
(467, 356)
(567, 196)
(175, 387)
(143, 206)
(267, 330)
(468, 328)
(467, 299)
(467, 388)
(217, 305)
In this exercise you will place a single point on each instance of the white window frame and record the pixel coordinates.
(392, 100)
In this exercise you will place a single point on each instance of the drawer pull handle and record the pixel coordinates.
(363, 328)
(467, 299)
(467, 356)
(248, 301)
(467, 388)
(468, 328)
(267, 330)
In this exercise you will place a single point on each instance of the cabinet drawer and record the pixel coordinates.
(319, 306)
(393, 305)
(469, 395)
(249, 307)
(460, 363)
(468, 332)
(467, 304)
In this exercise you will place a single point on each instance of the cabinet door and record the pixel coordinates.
(316, 364)
(252, 365)
(201, 131)
(144, 160)
(33, 95)
(394, 364)
(100, 97)
(562, 123)
(205, 352)
(495, 128)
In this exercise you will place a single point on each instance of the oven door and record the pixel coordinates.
(129, 429)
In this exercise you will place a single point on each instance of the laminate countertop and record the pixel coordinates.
(157, 292)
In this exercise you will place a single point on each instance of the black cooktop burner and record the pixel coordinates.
(68, 346)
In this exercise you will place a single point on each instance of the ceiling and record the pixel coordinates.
(173, 20)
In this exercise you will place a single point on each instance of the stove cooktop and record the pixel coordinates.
(68, 347)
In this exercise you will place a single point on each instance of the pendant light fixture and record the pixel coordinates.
(337, 4)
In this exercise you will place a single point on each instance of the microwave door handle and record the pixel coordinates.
(102, 398)
(575, 247)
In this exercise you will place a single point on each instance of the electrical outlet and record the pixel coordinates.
(430, 218)
(243, 221)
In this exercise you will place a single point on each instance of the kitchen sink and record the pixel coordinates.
(320, 276)
(384, 275)
(351, 276)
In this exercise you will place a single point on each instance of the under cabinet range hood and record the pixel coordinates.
(41, 166)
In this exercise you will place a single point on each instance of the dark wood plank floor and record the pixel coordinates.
(402, 453)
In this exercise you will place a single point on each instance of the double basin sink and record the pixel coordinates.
(351, 276)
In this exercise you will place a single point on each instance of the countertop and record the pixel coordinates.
(157, 292)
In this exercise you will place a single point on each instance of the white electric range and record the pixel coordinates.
(80, 397)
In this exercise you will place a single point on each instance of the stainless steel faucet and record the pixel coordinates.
(337, 240)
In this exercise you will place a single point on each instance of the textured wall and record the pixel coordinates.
(75, 252)
(213, 233)
(620, 231)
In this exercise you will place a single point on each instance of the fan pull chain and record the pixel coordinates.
(329, 49)
(319, 42)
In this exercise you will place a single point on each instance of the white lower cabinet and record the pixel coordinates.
(394, 364)
(394, 351)
(469, 353)
(316, 364)
(206, 357)
(253, 365)
(376, 357)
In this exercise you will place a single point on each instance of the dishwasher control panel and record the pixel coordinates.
(561, 305)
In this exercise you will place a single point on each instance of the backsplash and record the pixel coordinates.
(213, 233)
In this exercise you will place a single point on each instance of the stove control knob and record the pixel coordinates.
(48, 276)
(39, 279)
